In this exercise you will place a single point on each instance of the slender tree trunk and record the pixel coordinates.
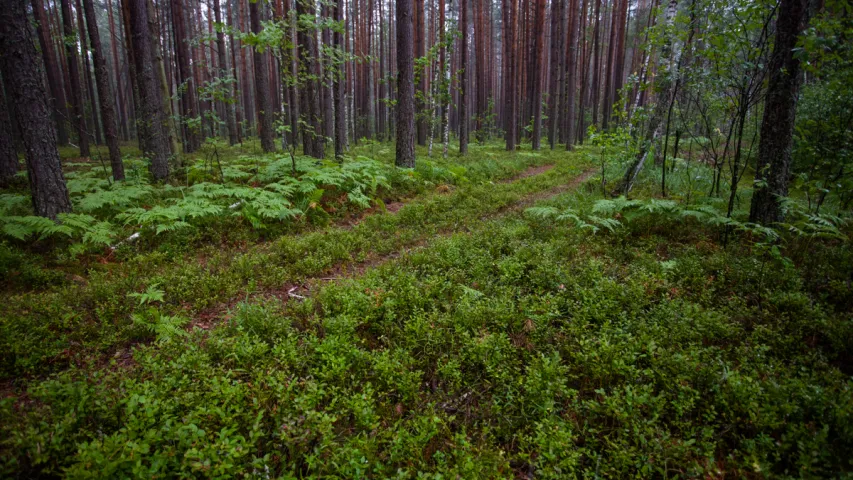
(596, 64)
(230, 119)
(105, 93)
(339, 88)
(122, 111)
(262, 87)
(584, 72)
(150, 122)
(463, 80)
(405, 86)
(186, 81)
(571, 75)
(78, 117)
(556, 80)
(608, 77)
(667, 71)
(54, 77)
(21, 69)
(160, 69)
(511, 122)
(777, 125)
(94, 125)
(312, 136)
(420, 51)
(235, 92)
(538, 49)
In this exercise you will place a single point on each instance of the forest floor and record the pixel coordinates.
(492, 316)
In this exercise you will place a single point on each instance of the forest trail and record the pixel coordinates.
(301, 289)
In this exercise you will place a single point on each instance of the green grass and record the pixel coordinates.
(477, 341)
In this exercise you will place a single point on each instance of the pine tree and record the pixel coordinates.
(22, 74)
(405, 86)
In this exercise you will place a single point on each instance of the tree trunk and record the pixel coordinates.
(230, 120)
(339, 88)
(463, 81)
(511, 124)
(122, 111)
(78, 117)
(780, 107)
(54, 77)
(93, 124)
(313, 140)
(9, 163)
(596, 64)
(538, 49)
(235, 93)
(151, 125)
(420, 51)
(21, 70)
(571, 74)
(262, 87)
(405, 86)
(187, 86)
(556, 80)
(105, 93)
(667, 71)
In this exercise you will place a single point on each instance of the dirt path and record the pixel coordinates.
(297, 291)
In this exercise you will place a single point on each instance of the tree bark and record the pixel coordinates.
(105, 93)
(463, 81)
(777, 125)
(511, 124)
(151, 125)
(538, 49)
(9, 163)
(21, 70)
(187, 85)
(665, 84)
(230, 120)
(262, 87)
(313, 140)
(78, 118)
(405, 86)
(54, 77)
(339, 88)
(556, 80)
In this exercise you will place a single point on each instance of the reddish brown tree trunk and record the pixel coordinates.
(78, 118)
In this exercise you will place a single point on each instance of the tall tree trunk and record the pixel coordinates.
(511, 124)
(584, 72)
(556, 80)
(78, 117)
(571, 74)
(160, 70)
(608, 77)
(463, 80)
(665, 84)
(405, 156)
(230, 120)
(21, 69)
(338, 88)
(186, 81)
(780, 106)
(313, 140)
(9, 163)
(538, 49)
(263, 95)
(94, 125)
(105, 93)
(151, 123)
(54, 77)
(596, 64)
(122, 111)
(420, 51)
(235, 92)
